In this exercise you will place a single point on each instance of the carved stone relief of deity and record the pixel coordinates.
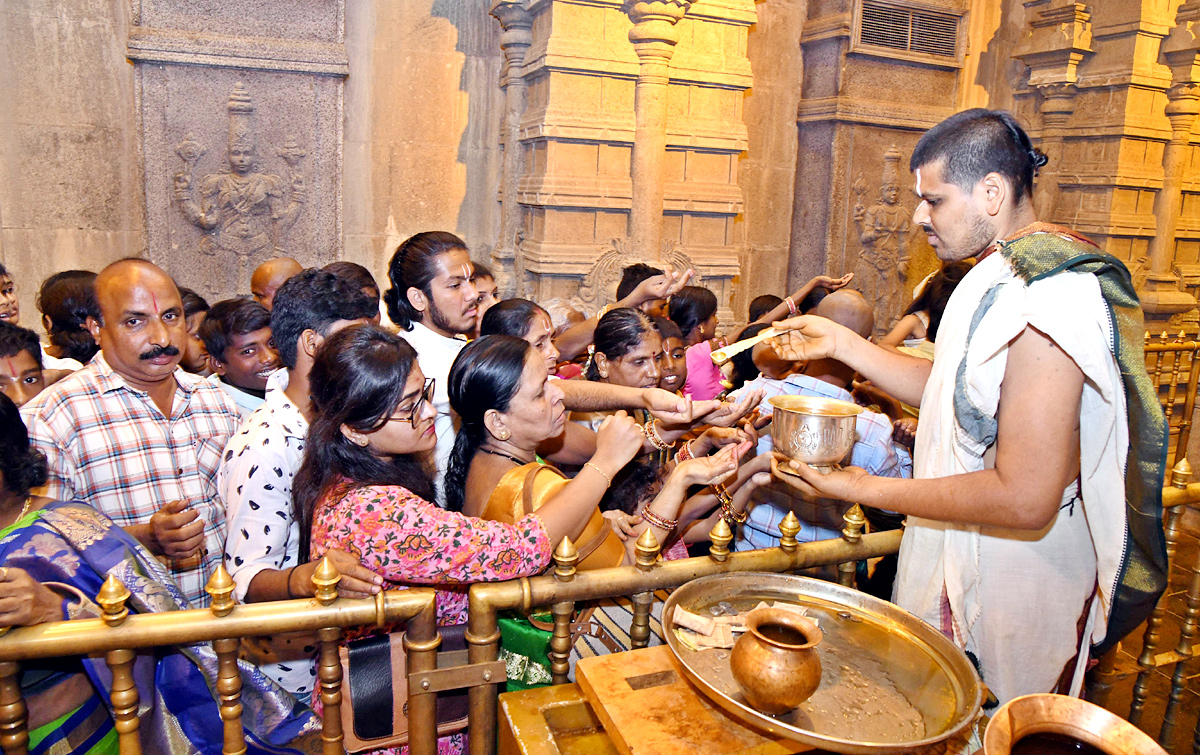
(600, 284)
(240, 209)
(883, 231)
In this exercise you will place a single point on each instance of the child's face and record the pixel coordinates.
(674, 365)
(20, 377)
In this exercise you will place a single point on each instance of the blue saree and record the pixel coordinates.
(75, 545)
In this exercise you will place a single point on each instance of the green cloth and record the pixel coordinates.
(1142, 577)
(87, 730)
(525, 650)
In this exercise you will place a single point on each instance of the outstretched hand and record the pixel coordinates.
(807, 337)
(728, 414)
(839, 484)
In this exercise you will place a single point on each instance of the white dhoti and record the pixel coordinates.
(1024, 603)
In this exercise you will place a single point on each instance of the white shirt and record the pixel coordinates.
(50, 362)
(436, 354)
(255, 482)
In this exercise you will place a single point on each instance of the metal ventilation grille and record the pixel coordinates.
(914, 30)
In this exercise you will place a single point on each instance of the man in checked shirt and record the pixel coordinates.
(134, 435)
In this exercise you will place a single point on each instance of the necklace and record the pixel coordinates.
(510, 457)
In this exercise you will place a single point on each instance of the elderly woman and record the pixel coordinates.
(56, 555)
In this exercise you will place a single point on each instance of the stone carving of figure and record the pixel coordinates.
(240, 209)
(883, 231)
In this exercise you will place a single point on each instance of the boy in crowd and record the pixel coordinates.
(237, 336)
(20, 363)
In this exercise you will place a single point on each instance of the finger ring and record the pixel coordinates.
(3, 573)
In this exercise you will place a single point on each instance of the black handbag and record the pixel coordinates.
(375, 690)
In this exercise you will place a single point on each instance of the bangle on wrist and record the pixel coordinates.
(661, 522)
(791, 305)
(728, 513)
(601, 471)
(656, 440)
(684, 453)
(291, 595)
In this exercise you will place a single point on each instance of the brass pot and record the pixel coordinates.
(816, 431)
(775, 662)
(1067, 716)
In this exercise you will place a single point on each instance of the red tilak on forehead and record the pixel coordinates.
(11, 370)
(154, 300)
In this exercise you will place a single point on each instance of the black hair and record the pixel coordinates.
(313, 300)
(618, 333)
(744, 369)
(691, 308)
(666, 328)
(412, 267)
(976, 142)
(482, 271)
(4, 271)
(23, 466)
(193, 303)
(761, 305)
(811, 300)
(67, 300)
(511, 317)
(485, 375)
(14, 339)
(356, 274)
(630, 486)
(632, 276)
(936, 295)
(357, 380)
(229, 318)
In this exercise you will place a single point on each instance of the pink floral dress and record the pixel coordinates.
(409, 541)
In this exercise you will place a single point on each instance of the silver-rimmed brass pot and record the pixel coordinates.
(816, 431)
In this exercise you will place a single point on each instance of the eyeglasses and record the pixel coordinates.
(426, 395)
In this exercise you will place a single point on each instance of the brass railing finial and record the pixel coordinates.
(788, 529)
(220, 588)
(111, 598)
(646, 550)
(855, 521)
(325, 581)
(565, 558)
(1181, 473)
(721, 537)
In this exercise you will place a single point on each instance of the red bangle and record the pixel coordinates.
(659, 521)
(684, 453)
(791, 305)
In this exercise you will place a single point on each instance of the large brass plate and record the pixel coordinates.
(890, 683)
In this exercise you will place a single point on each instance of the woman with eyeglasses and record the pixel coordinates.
(363, 486)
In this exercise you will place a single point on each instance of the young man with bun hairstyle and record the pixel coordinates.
(1034, 519)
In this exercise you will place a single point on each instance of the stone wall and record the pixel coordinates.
(70, 177)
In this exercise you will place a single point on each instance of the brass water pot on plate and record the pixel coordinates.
(1069, 717)
(775, 661)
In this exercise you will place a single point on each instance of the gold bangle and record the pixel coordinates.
(656, 440)
(601, 471)
(659, 521)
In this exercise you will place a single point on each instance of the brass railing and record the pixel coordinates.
(1174, 370)
(565, 586)
(118, 635)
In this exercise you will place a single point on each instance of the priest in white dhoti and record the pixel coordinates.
(1034, 530)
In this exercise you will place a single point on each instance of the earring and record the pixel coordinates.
(604, 374)
(502, 435)
(360, 441)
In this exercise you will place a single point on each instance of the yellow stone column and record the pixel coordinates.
(515, 39)
(1181, 49)
(654, 36)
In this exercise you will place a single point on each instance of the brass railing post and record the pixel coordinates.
(483, 646)
(329, 665)
(646, 550)
(1180, 475)
(565, 558)
(229, 679)
(421, 641)
(788, 529)
(124, 695)
(851, 533)
(14, 735)
(721, 536)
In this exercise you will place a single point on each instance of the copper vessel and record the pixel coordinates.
(1067, 716)
(775, 661)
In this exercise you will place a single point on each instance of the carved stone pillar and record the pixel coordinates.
(1058, 102)
(1181, 49)
(517, 24)
(1059, 38)
(654, 36)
